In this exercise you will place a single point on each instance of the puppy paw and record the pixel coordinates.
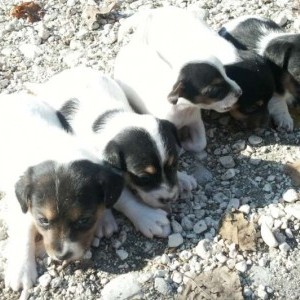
(107, 225)
(186, 182)
(20, 274)
(198, 146)
(284, 122)
(152, 222)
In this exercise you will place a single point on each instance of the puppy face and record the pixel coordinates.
(149, 160)
(66, 201)
(205, 85)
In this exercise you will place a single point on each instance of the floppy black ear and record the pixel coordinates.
(23, 189)
(177, 91)
(114, 155)
(170, 127)
(279, 52)
(112, 183)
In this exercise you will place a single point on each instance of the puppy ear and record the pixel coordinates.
(279, 53)
(114, 155)
(112, 183)
(176, 92)
(23, 189)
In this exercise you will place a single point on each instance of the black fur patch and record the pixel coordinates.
(102, 119)
(64, 123)
(69, 108)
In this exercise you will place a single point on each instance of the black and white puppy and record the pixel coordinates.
(173, 67)
(254, 75)
(281, 49)
(142, 146)
(55, 188)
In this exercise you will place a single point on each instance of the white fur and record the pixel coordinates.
(165, 40)
(31, 133)
(107, 225)
(149, 221)
(97, 93)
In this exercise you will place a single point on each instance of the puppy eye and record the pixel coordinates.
(44, 221)
(82, 222)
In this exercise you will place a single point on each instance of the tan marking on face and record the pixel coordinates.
(49, 211)
(150, 170)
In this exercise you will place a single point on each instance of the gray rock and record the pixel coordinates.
(161, 286)
(175, 240)
(123, 287)
(202, 174)
(227, 161)
(200, 227)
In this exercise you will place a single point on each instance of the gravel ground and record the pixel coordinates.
(241, 171)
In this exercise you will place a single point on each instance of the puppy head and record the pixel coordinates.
(205, 85)
(66, 201)
(284, 51)
(148, 155)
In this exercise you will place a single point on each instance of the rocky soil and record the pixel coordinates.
(253, 253)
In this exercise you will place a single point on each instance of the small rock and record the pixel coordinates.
(161, 286)
(165, 259)
(241, 266)
(267, 187)
(245, 209)
(123, 287)
(239, 145)
(267, 235)
(227, 161)
(247, 292)
(87, 255)
(261, 293)
(176, 227)
(255, 140)
(289, 233)
(284, 247)
(233, 203)
(175, 240)
(281, 19)
(45, 280)
(229, 174)
(122, 254)
(200, 227)
(203, 249)
(202, 174)
(177, 277)
(290, 196)
(187, 223)
(30, 51)
(221, 258)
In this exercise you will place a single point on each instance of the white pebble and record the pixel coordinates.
(203, 249)
(241, 266)
(276, 212)
(177, 277)
(289, 233)
(290, 196)
(221, 258)
(245, 209)
(45, 280)
(122, 254)
(284, 247)
(165, 259)
(175, 240)
(268, 236)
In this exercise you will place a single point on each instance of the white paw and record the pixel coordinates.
(186, 182)
(152, 222)
(20, 274)
(284, 121)
(197, 146)
(107, 225)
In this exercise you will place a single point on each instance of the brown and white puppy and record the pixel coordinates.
(143, 147)
(173, 67)
(281, 50)
(55, 188)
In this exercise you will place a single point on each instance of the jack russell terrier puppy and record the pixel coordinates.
(173, 67)
(143, 147)
(55, 188)
(281, 50)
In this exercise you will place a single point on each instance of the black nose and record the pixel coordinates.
(64, 256)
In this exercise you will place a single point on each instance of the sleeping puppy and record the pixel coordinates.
(281, 49)
(254, 75)
(55, 188)
(142, 146)
(171, 72)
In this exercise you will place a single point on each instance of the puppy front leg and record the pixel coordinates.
(279, 112)
(197, 140)
(21, 271)
(107, 225)
(149, 221)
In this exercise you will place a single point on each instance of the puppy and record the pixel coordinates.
(55, 188)
(171, 72)
(281, 49)
(142, 146)
(254, 75)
